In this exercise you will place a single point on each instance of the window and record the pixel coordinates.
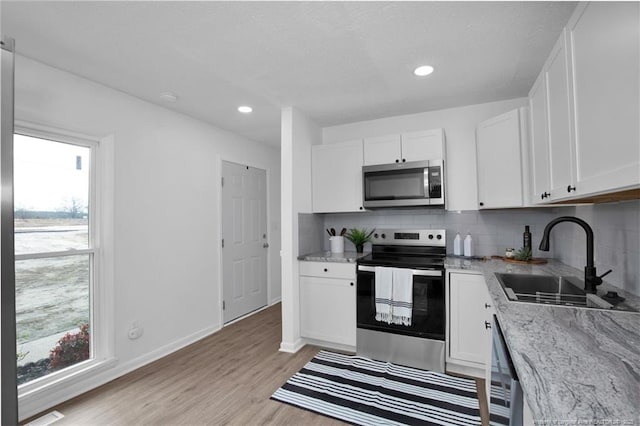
(57, 254)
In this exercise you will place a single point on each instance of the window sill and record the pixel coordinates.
(55, 388)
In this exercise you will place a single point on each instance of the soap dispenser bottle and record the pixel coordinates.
(526, 239)
(457, 245)
(468, 245)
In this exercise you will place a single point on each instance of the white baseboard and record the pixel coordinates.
(291, 347)
(330, 345)
(274, 301)
(44, 398)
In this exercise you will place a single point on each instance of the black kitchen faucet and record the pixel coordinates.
(591, 279)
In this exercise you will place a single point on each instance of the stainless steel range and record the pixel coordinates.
(420, 255)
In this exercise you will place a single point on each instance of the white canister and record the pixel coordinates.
(337, 244)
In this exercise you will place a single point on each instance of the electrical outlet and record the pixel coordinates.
(135, 331)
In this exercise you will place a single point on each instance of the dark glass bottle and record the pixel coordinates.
(526, 238)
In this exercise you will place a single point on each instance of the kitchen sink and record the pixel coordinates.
(551, 290)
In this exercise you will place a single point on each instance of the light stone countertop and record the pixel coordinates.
(328, 256)
(576, 365)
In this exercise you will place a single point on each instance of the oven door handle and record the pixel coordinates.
(419, 272)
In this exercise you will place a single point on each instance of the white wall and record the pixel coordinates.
(459, 127)
(167, 182)
(298, 135)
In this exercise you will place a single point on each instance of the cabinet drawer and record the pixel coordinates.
(328, 269)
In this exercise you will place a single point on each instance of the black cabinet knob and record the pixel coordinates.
(326, 270)
(351, 284)
(570, 188)
(404, 160)
(481, 204)
(487, 306)
(487, 325)
(397, 161)
(361, 207)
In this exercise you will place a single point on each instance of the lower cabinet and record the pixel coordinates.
(469, 323)
(328, 302)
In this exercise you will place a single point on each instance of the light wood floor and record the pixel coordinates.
(226, 378)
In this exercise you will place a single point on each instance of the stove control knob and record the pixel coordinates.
(375, 235)
(431, 236)
(439, 237)
(383, 236)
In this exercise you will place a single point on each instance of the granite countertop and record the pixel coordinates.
(575, 365)
(328, 256)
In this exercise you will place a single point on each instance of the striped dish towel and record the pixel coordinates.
(383, 293)
(402, 296)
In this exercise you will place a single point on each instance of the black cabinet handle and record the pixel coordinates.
(351, 284)
(487, 306)
(481, 204)
(487, 325)
(326, 270)
(397, 161)
(570, 188)
(361, 207)
(545, 195)
(404, 160)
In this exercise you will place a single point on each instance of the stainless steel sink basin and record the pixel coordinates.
(551, 290)
(534, 284)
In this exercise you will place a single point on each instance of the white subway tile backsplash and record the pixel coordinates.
(616, 228)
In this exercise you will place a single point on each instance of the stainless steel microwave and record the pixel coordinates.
(412, 184)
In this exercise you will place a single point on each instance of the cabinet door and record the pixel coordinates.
(498, 149)
(469, 309)
(382, 150)
(328, 309)
(336, 175)
(420, 146)
(539, 141)
(605, 53)
(559, 121)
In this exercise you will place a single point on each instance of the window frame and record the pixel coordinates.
(101, 263)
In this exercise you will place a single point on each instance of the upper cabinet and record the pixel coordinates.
(500, 145)
(336, 176)
(605, 53)
(539, 142)
(407, 147)
(585, 106)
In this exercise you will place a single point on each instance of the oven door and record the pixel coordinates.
(428, 314)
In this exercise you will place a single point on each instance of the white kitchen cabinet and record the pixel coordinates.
(426, 145)
(382, 150)
(605, 54)
(500, 146)
(336, 177)
(407, 147)
(559, 121)
(539, 142)
(591, 85)
(469, 324)
(328, 302)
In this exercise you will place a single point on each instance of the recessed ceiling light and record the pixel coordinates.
(423, 70)
(168, 97)
(245, 109)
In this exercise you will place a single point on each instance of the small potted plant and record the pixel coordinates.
(358, 237)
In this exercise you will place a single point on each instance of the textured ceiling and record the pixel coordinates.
(339, 62)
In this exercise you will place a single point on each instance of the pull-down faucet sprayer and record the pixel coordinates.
(591, 280)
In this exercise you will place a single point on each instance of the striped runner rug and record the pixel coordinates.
(362, 391)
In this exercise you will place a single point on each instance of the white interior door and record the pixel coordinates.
(244, 233)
